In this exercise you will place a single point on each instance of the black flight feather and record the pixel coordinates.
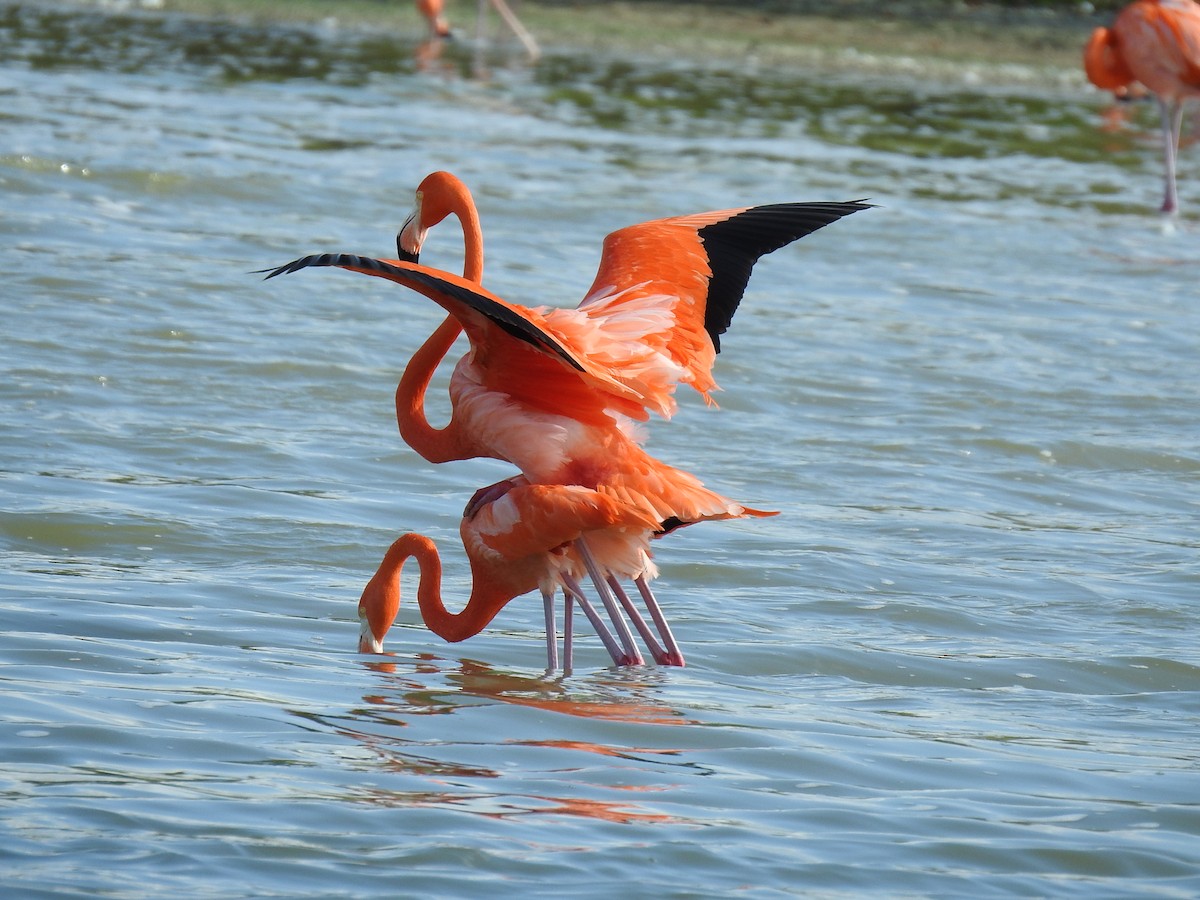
(511, 322)
(735, 244)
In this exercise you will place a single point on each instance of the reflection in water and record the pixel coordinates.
(411, 693)
(492, 807)
(431, 687)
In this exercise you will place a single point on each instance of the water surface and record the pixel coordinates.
(962, 659)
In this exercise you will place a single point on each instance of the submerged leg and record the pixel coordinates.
(1171, 112)
(619, 656)
(674, 656)
(568, 631)
(656, 650)
(633, 655)
(551, 631)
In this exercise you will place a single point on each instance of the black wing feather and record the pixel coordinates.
(505, 318)
(735, 244)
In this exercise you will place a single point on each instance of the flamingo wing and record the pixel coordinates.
(449, 291)
(667, 290)
(517, 350)
(516, 519)
(1159, 45)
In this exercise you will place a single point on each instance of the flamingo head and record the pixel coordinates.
(377, 610)
(439, 194)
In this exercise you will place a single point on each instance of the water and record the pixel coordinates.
(962, 659)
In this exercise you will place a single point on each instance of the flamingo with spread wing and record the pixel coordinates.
(557, 391)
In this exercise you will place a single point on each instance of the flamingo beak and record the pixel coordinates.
(367, 642)
(411, 235)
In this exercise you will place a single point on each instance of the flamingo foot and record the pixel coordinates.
(673, 655)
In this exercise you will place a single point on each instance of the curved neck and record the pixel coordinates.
(464, 210)
(381, 598)
(434, 444)
(440, 444)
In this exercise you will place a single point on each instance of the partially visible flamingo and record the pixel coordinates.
(1155, 43)
(553, 391)
(518, 536)
(433, 11)
(439, 195)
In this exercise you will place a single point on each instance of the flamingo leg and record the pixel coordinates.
(1171, 112)
(674, 654)
(568, 631)
(523, 35)
(551, 631)
(619, 656)
(633, 655)
(656, 650)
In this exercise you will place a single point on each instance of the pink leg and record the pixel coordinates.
(619, 656)
(633, 655)
(656, 650)
(551, 631)
(1170, 111)
(568, 631)
(674, 656)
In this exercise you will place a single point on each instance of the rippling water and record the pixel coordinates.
(963, 659)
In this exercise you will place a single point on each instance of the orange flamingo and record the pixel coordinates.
(518, 536)
(1155, 43)
(553, 391)
(434, 13)
(441, 194)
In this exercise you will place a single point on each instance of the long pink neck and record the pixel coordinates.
(380, 601)
(439, 444)
(434, 444)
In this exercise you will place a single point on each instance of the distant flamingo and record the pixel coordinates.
(433, 12)
(1156, 43)
(517, 537)
(552, 391)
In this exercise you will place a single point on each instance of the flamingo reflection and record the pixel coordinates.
(408, 691)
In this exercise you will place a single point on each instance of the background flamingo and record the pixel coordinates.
(433, 11)
(1155, 43)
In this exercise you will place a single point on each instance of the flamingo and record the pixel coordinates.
(433, 11)
(439, 195)
(1156, 43)
(518, 536)
(555, 391)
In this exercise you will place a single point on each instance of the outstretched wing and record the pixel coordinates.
(447, 290)
(667, 290)
(516, 349)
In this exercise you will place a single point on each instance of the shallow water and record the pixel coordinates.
(962, 659)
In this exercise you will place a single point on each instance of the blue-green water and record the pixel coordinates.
(963, 659)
